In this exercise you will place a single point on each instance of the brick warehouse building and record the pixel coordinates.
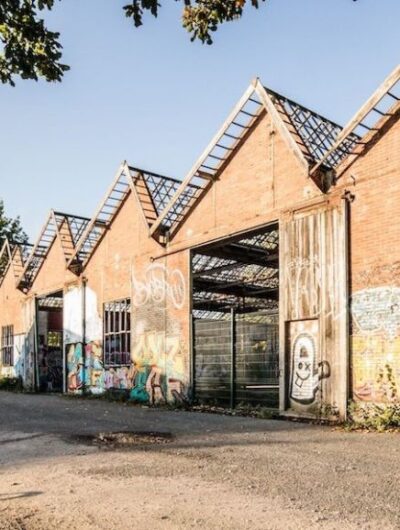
(269, 275)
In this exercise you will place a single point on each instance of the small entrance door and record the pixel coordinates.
(49, 356)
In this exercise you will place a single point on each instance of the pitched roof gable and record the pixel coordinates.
(314, 133)
(152, 190)
(5, 259)
(365, 124)
(307, 134)
(319, 144)
(68, 228)
(13, 255)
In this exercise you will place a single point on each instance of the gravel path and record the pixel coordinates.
(201, 471)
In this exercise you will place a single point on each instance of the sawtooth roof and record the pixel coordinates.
(320, 145)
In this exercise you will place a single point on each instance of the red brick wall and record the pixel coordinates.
(53, 274)
(123, 266)
(11, 302)
(375, 268)
(11, 313)
(262, 178)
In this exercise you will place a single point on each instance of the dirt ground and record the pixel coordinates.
(186, 470)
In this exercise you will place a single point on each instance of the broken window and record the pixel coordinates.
(117, 333)
(7, 345)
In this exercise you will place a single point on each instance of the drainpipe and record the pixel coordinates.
(348, 198)
(36, 346)
(84, 374)
(233, 359)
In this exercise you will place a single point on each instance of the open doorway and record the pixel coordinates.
(49, 357)
(235, 309)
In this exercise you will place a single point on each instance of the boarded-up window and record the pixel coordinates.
(117, 333)
(7, 345)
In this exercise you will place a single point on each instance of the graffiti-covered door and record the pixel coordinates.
(73, 340)
(313, 306)
(29, 370)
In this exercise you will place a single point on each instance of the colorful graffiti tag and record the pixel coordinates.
(157, 372)
(85, 371)
(157, 369)
(145, 380)
(376, 343)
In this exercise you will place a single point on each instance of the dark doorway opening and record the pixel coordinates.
(49, 361)
(235, 309)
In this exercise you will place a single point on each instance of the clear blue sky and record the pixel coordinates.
(154, 98)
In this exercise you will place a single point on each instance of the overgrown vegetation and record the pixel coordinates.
(13, 384)
(378, 416)
(374, 416)
(387, 383)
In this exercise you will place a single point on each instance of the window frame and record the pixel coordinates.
(117, 329)
(7, 345)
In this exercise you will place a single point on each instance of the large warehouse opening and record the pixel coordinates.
(49, 355)
(235, 303)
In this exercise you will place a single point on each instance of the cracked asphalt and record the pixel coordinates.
(201, 471)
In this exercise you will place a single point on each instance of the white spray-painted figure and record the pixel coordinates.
(306, 372)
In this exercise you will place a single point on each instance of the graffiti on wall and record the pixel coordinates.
(376, 342)
(50, 370)
(160, 285)
(159, 355)
(29, 343)
(85, 370)
(304, 283)
(307, 371)
(305, 279)
(23, 366)
(158, 371)
(377, 310)
(150, 378)
(20, 358)
(75, 371)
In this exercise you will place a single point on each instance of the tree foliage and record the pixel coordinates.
(199, 17)
(30, 50)
(10, 228)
